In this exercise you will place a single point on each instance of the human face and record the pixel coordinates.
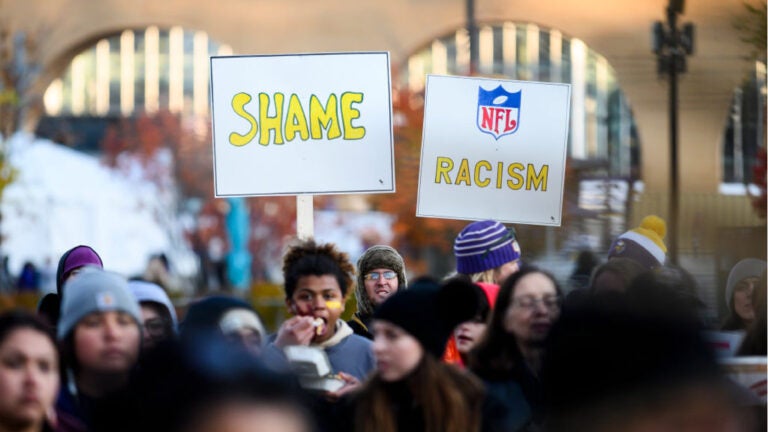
(379, 289)
(500, 274)
(29, 378)
(248, 416)
(242, 326)
(319, 297)
(72, 273)
(155, 327)
(528, 316)
(742, 298)
(397, 352)
(107, 342)
(249, 338)
(467, 334)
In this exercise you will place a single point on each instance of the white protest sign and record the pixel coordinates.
(302, 124)
(493, 149)
(749, 373)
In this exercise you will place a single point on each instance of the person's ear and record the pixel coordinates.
(291, 306)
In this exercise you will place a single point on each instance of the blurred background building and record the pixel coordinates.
(95, 70)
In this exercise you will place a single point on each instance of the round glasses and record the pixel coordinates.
(374, 276)
(156, 327)
(530, 303)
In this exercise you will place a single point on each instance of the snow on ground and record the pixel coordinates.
(62, 198)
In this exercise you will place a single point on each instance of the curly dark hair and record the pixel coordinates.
(307, 258)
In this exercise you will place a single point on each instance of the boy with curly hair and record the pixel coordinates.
(317, 279)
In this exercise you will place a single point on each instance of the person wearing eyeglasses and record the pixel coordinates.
(157, 312)
(508, 358)
(380, 273)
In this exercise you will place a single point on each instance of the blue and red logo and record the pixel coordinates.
(498, 111)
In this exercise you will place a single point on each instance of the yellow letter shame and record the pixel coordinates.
(444, 167)
(295, 120)
(324, 118)
(348, 113)
(271, 123)
(238, 104)
(537, 179)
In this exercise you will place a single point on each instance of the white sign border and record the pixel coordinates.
(480, 217)
(292, 193)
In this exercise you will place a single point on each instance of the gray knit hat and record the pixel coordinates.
(95, 290)
(749, 267)
(379, 256)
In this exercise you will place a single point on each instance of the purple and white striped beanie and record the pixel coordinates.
(484, 245)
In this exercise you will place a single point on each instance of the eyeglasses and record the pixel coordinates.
(374, 276)
(530, 303)
(156, 327)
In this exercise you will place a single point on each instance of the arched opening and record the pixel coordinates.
(744, 133)
(603, 147)
(602, 126)
(136, 71)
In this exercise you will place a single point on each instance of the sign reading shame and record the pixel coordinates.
(302, 124)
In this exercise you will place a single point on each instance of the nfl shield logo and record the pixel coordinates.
(498, 111)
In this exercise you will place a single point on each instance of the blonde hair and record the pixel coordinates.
(485, 276)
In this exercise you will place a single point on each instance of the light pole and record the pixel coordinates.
(671, 45)
(472, 30)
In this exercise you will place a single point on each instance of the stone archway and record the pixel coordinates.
(620, 31)
(602, 124)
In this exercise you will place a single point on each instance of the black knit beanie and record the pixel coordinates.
(430, 312)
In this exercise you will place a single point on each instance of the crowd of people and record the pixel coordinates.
(495, 346)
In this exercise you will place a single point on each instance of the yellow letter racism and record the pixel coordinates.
(484, 174)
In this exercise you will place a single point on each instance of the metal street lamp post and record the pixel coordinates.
(472, 30)
(671, 44)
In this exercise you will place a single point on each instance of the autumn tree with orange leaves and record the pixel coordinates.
(145, 138)
(427, 242)
(176, 153)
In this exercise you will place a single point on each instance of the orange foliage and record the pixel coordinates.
(273, 219)
(412, 232)
(144, 135)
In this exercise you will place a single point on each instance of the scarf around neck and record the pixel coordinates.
(342, 331)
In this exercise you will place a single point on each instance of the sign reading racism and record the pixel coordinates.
(493, 149)
(302, 124)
